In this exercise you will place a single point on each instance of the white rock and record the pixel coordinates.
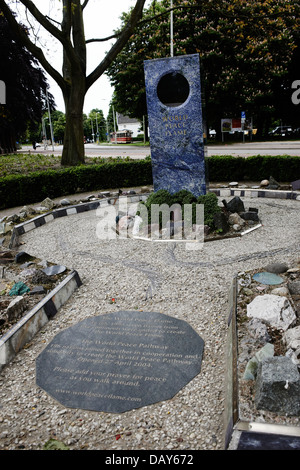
(235, 219)
(292, 338)
(15, 308)
(28, 210)
(283, 291)
(293, 270)
(264, 183)
(136, 226)
(274, 309)
(48, 203)
(2, 228)
(125, 222)
(65, 202)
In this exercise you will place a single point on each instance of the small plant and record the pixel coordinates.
(162, 196)
(210, 202)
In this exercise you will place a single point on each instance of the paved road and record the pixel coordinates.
(256, 148)
(239, 149)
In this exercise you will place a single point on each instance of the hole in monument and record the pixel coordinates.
(173, 89)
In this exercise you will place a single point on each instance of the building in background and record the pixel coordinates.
(129, 124)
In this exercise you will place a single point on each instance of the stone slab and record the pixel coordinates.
(173, 93)
(277, 386)
(262, 441)
(296, 185)
(120, 361)
(53, 270)
(267, 278)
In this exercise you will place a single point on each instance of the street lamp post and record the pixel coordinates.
(50, 122)
(44, 133)
(93, 135)
(97, 128)
(115, 129)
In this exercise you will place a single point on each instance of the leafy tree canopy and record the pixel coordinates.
(248, 51)
(25, 88)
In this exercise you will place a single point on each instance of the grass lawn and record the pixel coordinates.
(23, 163)
(20, 164)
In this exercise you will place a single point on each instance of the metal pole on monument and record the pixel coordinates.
(171, 31)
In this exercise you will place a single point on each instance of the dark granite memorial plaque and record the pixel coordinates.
(120, 361)
(175, 123)
(261, 441)
(296, 185)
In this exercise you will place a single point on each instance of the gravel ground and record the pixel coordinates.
(190, 285)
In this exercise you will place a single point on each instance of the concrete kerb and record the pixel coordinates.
(26, 328)
(254, 193)
(42, 219)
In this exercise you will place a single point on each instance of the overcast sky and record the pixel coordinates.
(101, 18)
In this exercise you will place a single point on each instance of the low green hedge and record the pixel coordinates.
(283, 168)
(17, 190)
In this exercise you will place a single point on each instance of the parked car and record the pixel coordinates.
(282, 130)
(297, 131)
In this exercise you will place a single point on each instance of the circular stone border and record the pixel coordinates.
(42, 219)
(231, 409)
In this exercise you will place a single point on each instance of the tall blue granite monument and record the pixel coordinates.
(173, 93)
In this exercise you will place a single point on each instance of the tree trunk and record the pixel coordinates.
(74, 82)
(73, 149)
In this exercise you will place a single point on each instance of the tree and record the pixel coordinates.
(246, 49)
(74, 80)
(26, 87)
(99, 124)
(150, 41)
(95, 126)
(58, 120)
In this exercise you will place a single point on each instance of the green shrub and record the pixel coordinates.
(210, 202)
(162, 196)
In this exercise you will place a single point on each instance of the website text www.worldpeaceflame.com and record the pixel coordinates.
(190, 219)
